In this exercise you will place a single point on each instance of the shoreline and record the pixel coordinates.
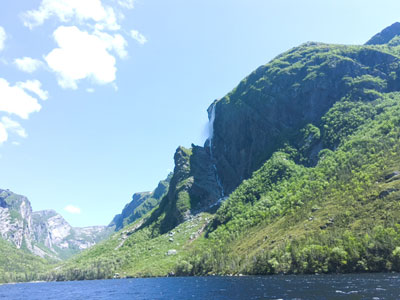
(208, 276)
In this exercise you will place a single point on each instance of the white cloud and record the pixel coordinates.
(116, 42)
(72, 209)
(3, 133)
(109, 22)
(69, 10)
(3, 37)
(90, 90)
(140, 38)
(14, 100)
(129, 4)
(82, 55)
(16, 143)
(14, 127)
(35, 87)
(27, 64)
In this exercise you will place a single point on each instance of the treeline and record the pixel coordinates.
(377, 251)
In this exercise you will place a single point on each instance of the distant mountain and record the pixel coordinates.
(140, 205)
(44, 233)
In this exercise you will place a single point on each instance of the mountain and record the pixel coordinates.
(386, 36)
(43, 233)
(300, 174)
(141, 204)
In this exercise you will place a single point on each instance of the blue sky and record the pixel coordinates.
(96, 95)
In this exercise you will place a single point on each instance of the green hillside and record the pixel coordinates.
(18, 265)
(301, 174)
(340, 216)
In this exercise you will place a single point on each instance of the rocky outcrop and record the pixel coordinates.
(16, 219)
(44, 233)
(193, 188)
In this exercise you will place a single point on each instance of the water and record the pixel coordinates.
(210, 140)
(357, 286)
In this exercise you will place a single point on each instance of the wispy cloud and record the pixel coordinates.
(35, 87)
(3, 133)
(28, 64)
(14, 100)
(140, 38)
(70, 10)
(129, 4)
(13, 126)
(72, 209)
(3, 37)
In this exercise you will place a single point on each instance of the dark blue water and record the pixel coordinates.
(358, 286)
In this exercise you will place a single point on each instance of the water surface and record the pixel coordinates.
(355, 286)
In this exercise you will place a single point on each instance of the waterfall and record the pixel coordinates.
(211, 129)
(210, 139)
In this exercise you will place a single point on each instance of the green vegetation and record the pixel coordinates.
(19, 266)
(133, 253)
(308, 148)
(320, 201)
(342, 215)
(141, 204)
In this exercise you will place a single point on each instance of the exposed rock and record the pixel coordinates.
(172, 252)
(274, 103)
(391, 175)
(193, 187)
(44, 233)
(386, 192)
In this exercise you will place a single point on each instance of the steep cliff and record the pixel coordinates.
(16, 221)
(272, 106)
(44, 233)
(304, 156)
(193, 188)
(282, 105)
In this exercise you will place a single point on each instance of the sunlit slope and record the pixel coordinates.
(17, 265)
(307, 147)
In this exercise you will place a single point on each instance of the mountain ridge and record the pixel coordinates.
(299, 176)
(44, 233)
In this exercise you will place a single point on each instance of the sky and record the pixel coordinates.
(96, 95)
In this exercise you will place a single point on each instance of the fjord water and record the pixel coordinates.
(354, 286)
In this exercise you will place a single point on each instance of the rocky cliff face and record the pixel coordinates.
(44, 233)
(16, 219)
(194, 188)
(271, 107)
(280, 106)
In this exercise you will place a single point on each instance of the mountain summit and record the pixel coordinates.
(386, 35)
